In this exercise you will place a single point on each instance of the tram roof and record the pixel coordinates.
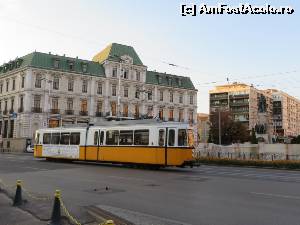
(125, 123)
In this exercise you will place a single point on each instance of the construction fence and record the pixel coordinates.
(269, 152)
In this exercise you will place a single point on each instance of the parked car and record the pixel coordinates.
(30, 148)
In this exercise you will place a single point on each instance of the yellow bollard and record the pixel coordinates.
(18, 197)
(108, 222)
(56, 215)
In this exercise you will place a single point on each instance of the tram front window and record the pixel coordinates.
(37, 138)
(46, 138)
(182, 137)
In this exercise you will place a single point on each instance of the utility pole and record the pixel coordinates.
(220, 138)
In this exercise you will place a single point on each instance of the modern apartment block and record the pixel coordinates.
(286, 114)
(43, 89)
(247, 104)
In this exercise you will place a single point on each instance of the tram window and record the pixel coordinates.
(55, 138)
(182, 138)
(46, 138)
(141, 137)
(96, 138)
(37, 138)
(112, 137)
(171, 138)
(101, 137)
(126, 137)
(74, 138)
(161, 137)
(191, 138)
(65, 138)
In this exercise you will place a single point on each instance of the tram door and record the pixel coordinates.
(99, 141)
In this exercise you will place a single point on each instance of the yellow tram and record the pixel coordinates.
(127, 142)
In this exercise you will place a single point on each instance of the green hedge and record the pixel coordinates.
(286, 164)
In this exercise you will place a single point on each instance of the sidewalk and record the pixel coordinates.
(10, 215)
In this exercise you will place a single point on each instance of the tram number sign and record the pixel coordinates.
(59, 151)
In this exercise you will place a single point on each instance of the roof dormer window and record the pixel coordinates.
(56, 63)
(84, 67)
(179, 82)
(159, 79)
(71, 65)
(169, 81)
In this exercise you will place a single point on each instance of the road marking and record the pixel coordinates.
(276, 195)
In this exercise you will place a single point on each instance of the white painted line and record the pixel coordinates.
(276, 195)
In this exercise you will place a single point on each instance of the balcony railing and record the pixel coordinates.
(21, 109)
(238, 103)
(217, 97)
(99, 114)
(83, 113)
(54, 111)
(36, 109)
(69, 112)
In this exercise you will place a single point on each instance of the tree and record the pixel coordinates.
(231, 131)
(253, 137)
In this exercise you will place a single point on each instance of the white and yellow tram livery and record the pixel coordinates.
(127, 142)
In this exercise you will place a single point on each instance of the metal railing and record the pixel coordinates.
(69, 112)
(36, 110)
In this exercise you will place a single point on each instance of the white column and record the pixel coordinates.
(28, 79)
(92, 98)
(27, 102)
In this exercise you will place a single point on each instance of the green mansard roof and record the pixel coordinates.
(95, 68)
(114, 52)
(46, 61)
(169, 80)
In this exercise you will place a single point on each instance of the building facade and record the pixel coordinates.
(286, 114)
(203, 126)
(247, 104)
(46, 90)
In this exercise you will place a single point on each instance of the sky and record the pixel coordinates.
(263, 50)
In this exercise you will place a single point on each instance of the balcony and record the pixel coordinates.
(239, 96)
(54, 111)
(99, 114)
(69, 112)
(21, 109)
(218, 97)
(239, 103)
(83, 113)
(36, 109)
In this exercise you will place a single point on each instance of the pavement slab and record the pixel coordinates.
(10, 215)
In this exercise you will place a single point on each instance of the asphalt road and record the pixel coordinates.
(207, 195)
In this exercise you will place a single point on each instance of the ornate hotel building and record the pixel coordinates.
(42, 89)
